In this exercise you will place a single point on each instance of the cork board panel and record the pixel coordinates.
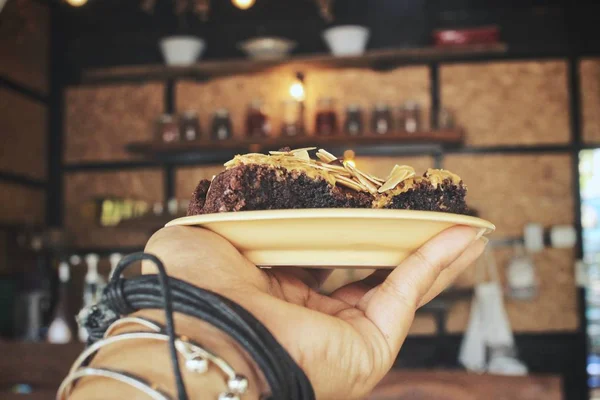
(589, 70)
(101, 120)
(349, 86)
(553, 310)
(21, 205)
(187, 178)
(24, 43)
(509, 103)
(146, 185)
(22, 135)
(512, 190)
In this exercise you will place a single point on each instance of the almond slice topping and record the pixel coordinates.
(349, 183)
(357, 172)
(302, 155)
(303, 149)
(399, 173)
(325, 156)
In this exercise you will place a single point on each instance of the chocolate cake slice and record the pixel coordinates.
(289, 179)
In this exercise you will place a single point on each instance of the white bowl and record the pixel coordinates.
(182, 50)
(267, 48)
(347, 40)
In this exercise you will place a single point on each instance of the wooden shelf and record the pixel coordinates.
(392, 144)
(374, 59)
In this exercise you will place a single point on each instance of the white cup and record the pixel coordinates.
(182, 50)
(347, 40)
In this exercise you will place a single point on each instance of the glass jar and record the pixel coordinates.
(381, 120)
(221, 125)
(353, 126)
(410, 117)
(189, 125)
(326, 118)
(292, 121)
(257, 121)
(167, 129)
(446, 119)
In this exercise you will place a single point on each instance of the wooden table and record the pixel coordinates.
(459, 385)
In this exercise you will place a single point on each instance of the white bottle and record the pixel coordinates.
(92, 288)
(521, 277)
(59, 330)
(114, 259)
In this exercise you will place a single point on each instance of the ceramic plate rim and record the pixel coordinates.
(326, 213)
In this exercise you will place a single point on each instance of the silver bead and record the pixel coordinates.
(238, 384)
(228, 396)
(197, 365)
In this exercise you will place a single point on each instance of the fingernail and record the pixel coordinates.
(484, 240)
(479, 235)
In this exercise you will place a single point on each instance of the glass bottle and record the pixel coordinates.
(221, 125)
(60, 328)
(189, 125)
(114, 259)
(92, 288)
(410, 117)
(381, 121)
(326, 118)
(167, 129)
(353, 126)
(446, 119)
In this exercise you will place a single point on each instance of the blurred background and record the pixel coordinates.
(111, 111)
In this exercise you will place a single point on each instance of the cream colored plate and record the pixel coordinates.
(341, 237)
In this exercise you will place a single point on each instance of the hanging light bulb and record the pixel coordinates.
(77, 3)
(297, 91)
(297, 88)
(243, 4)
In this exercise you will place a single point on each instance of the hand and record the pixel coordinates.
(345, 342)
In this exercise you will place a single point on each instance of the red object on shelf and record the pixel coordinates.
(454, 37)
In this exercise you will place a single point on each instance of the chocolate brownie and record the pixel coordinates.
(289, 179)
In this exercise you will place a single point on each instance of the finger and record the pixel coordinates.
(393, 303)
(353, 292)
(449, 275)
(202, 258)
(311, 277)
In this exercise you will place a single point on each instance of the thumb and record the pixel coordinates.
(391, 305)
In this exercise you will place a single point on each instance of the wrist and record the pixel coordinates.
(148, 360)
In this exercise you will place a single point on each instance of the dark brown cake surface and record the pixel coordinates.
(446, 197)
(260, 187)
(290, 179)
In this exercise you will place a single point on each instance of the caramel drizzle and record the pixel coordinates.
(335, 171)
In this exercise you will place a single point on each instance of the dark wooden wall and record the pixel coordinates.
(24, 87)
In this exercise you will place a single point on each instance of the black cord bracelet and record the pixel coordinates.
(122, 296)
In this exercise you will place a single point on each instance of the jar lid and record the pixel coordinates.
(411, 105)
(190, 113)
(381, 106)
(256, 103)
(222, 112)
(166, 118)
(353, 107)
(325, 101)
